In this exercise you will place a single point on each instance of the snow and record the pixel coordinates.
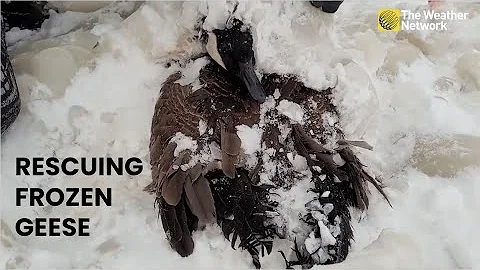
(338, 160)
(325, 194)
(191, 72)
(202, 127)
(78, 6)
(299, 162)
(16, 34)
(291, 110)
(251, 138)
(414, 96)
(327, 237)
(183, 143)
(397, 249)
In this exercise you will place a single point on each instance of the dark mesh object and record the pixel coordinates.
(24, 14)
(10, 95)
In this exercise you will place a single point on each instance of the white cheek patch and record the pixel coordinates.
(213, 51)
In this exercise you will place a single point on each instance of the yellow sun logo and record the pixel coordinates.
(388, 20)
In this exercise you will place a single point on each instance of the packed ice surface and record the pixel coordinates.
(89, 82)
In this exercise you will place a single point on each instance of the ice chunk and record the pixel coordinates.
(468, 68)
(402, 53)
(446, 155)
(54, 67)
(327, 237)
(317, 169)
(373, 49)
(251, 138)
(202, 127)
(299, 162)
(327, 208)
(276, 94)
(183, 143)
(312, 244)
(291, 110)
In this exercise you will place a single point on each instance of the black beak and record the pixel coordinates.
(251, 81)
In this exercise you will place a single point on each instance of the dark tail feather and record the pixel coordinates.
(352, 170)
(359, 177)
(306, 146)
(177, 227)
(242, 212)
(173, 182)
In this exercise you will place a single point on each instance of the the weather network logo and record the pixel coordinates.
(394, 20)
(388, 20)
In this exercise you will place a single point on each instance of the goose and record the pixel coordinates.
(182, 192)
(200, 173)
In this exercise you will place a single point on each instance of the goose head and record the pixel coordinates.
(232, 48)
(327, 6)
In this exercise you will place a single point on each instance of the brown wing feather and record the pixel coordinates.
(184, 196)
(353, 170)
(230, 146)
(200, 199)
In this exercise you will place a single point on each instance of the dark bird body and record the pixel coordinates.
(194, 186)
(205, 193)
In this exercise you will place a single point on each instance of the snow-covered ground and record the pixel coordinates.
(88, 83)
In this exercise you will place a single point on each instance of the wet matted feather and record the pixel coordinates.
(337, 185)
(200, 199)
(178, 224)
(242, 212)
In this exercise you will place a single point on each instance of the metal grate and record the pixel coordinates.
(10, 95)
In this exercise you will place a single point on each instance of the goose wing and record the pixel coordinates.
(339, 178)
(183, 194)
(352, 171)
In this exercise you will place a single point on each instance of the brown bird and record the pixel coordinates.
(194, 185)
(183, 193)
